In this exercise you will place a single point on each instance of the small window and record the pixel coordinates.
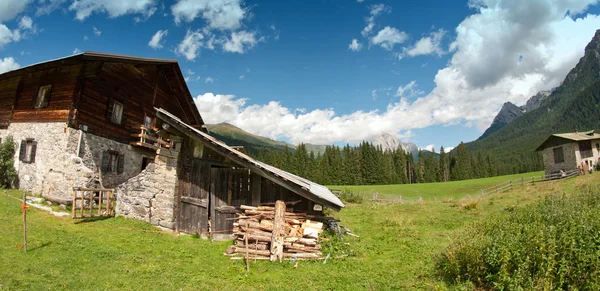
(559, 156)
(43, 96)
(112, 162)
(27, 151)
(117, 113)
(146, 161)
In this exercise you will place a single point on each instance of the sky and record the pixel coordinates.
(326, 71)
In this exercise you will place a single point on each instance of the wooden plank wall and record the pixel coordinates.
(63, 81)
(271, 192)
(8, 91)
(139, 88)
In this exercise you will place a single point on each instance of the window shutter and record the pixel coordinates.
(46, 97)
(109, 111)
(120, 164)
(123, 119)
(33, 149)
(23, 151)
(105, 161)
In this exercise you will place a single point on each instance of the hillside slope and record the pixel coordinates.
(574, 105)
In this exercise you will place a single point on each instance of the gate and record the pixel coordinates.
(230, 188)
(193, 213)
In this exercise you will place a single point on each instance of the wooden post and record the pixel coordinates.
(496, 189)
(246, 246)
(24, 207)
(256, 183)
(91, 203)
(73, 204)
(100, 203)
(510, 184)
(522, 181)
(532, 180)
(277, 236)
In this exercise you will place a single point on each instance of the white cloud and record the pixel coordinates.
(360, 1)
(209, 80)
(76, 51)
(26, 23)
(240, 41)
(355, 45)
(374, 11)
(85, 37)
(7, 36)
(431, 44)
(275, 31)
(8, 64)
(46, 7)
(218, 14)
(114, 8)
(448, 149)
(430, 148)
(190, 72)
(11, 8)
(388, 37)
(242, 77)
(190, 45)
(408, 90)
(156, 40)
(97, 32)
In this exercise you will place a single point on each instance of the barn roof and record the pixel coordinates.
(170, 68)
(303, 187)
(574, 136)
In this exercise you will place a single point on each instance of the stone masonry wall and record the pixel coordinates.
(152, 195)
(570, 155)
(58, 166)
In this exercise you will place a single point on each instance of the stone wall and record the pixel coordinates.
(152, 195)
(570, 150)
(59, 166)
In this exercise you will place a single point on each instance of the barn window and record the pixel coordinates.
(27, 151)
(585, 149)
(113, 162)
(559, 155)
(117, 113)
(43, 96)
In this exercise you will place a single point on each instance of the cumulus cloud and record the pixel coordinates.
(428, 45)
(8, 64)
(156, 40)
(218, 14)
(114, 8)
(26, 23)
(9, 9)
(46, 7)
(408, 90)
(240, 42)
(388, 37)
(355, 45)
(374, 11)
(190, 45)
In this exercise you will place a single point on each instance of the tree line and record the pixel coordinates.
(368, 164)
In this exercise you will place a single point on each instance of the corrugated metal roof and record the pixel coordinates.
(319, 193)
(574, 136)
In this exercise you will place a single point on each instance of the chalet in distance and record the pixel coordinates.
(134, 121)
(569, 151)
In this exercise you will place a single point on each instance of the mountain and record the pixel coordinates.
(536, 100)
(389, 142)
(235, 136)
(507, 114)
(575, 104)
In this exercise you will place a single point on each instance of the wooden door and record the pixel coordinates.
(230, 188)
(193, 214)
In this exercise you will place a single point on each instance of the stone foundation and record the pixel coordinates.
(152, 195)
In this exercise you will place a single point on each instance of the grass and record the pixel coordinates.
(397, 248)
(454, 189)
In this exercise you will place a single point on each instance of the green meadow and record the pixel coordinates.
(398, 246)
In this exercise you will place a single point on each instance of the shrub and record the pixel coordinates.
(8, 175)
(351, 197)
(552, 245)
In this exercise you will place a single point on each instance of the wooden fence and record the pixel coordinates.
(90, 202)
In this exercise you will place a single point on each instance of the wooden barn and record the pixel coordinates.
(570, 151)
(131, 124)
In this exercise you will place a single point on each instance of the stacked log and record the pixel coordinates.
(274, 233)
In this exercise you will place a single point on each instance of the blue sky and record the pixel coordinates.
(329, 71)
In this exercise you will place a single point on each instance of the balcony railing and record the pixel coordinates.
(148, 138)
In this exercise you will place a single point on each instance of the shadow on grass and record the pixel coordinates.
(92, 219)
(34, 247)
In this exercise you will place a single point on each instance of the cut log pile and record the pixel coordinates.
(274, 233)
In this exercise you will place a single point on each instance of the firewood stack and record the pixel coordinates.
(272, 233)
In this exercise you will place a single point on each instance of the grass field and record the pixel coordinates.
(454, 189)
(396, 249)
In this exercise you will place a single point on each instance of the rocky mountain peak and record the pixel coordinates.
(389, 142)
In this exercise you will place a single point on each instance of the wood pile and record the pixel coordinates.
(274, 233)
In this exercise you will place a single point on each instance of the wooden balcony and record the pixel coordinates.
(148, 138)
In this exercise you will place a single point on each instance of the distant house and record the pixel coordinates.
(567, 151)
(132, 123)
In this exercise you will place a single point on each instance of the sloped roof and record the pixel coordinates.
(574, 136)
(170, 68)
(303, 187)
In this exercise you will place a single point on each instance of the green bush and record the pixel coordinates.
(8, 175)
(552, 245)
(350, 196)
